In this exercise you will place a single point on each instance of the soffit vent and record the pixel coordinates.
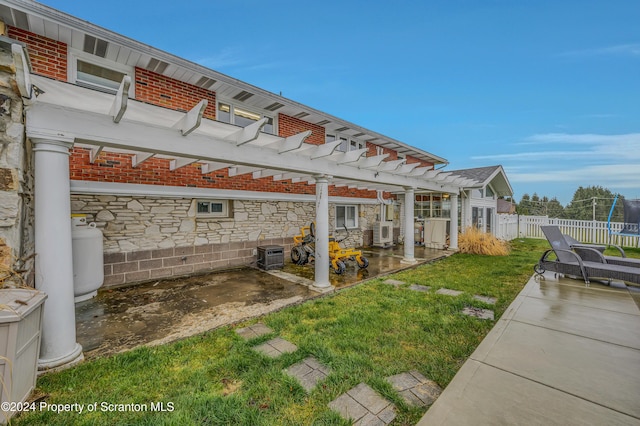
(323, 122)
(95, 46)
(243, 96)
(342, 129)
(205, 82)
(274, 106)
(157, 66)
(357, 135)
(301, 115)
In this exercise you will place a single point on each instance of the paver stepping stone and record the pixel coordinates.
(478, 313)
(309, 372)
(415, 389)
(253, 331)
(486, 299)
(449, 292)
(418, 287)
(276, 347)
(364, 406)
(393, 282)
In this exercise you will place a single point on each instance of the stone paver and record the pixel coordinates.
(449, 292)
(415, 389)
(393, 282)
(309, 372)
(364, 406)
(478, 313)
(486, 299)
(253, 331)
(276, 347)
(418, 287)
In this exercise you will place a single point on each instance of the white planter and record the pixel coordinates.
(20, 328)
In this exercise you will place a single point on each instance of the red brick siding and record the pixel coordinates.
(159, 90)
(48, 57)
(115, 167)
(289, 126)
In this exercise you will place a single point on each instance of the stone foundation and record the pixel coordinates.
(148, 238)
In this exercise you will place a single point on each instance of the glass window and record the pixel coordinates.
(213, 208)
(488, 192)
(243, 118)
(98, 77)
(346, 144)
(346, 215)
(224, 112)
(229, 113)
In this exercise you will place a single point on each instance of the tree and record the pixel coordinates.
(581, 206)
(554, 208)
(524, 206)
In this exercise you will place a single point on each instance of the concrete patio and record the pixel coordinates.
(158, 312)
(562, 354)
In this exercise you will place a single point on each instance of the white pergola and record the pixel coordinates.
(65, 115)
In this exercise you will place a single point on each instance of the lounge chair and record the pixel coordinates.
(589, 255)
(568, 262)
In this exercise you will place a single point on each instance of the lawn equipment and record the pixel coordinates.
(304, 250)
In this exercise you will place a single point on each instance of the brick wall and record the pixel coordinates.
(116, 167)
(289, 126)
(159, 90)
(48, 57)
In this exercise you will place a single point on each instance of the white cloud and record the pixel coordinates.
(566, 161)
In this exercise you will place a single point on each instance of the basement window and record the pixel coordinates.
(212, 208)
(241, 116)
(346, 215)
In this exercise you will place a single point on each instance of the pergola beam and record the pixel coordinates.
(291, 143)
(94, 153)
(192, 119)
(119, 105)
(140, 157)
(247, 134)
(212, 166)
(389, 166)
(371, 162)
(178, 163)
(90, 128)
(242, 170)
(325, 150)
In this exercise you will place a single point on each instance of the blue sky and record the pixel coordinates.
(548, 89)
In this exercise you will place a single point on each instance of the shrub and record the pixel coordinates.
(475, 242)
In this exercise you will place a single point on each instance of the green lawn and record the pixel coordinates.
(364, 333)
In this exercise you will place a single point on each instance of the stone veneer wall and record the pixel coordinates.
(16, 179)
(152, 237)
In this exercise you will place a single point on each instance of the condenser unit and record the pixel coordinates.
(383, 234)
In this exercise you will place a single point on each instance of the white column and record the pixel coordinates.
(53, 262)
(409, 238)
(453, 228)
(322, 233)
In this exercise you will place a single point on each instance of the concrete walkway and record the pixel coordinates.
(562, 354)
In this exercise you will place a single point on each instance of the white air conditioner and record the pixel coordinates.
(383, 234)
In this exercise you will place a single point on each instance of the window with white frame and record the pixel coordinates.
(346, 215)
(212, 208)
(241, 116)
(346, 143)
(488, 192)
(98, 73)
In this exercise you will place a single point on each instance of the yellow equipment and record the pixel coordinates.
(304, 250)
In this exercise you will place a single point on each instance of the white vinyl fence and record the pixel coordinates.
(587, 231)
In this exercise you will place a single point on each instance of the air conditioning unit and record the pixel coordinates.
(383, 234)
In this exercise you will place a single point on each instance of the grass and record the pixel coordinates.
(364, 333)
